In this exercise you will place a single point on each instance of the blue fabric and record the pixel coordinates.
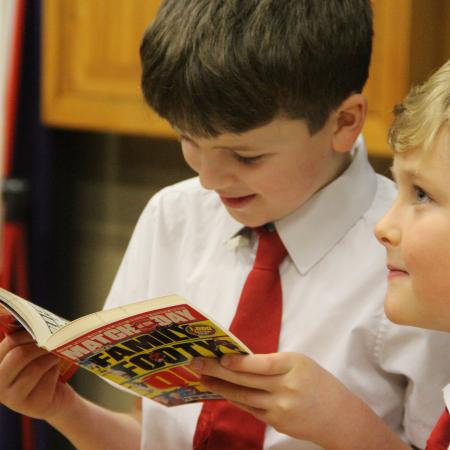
(32, 160)
(10, 436)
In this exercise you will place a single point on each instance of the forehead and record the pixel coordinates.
(278, 130)
(418, 161)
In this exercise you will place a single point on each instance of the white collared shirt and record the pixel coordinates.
(446, 391)
(333, 283)
(447, 400)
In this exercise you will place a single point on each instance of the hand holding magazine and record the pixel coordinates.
(143, 347)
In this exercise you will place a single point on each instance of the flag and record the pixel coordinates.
(26, 154)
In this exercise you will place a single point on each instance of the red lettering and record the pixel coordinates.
(178, 376)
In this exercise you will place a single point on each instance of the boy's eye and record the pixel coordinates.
(420, 195)
(247, 159)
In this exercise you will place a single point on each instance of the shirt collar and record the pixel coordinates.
(311, 231)
(232, 228)
(447, 396)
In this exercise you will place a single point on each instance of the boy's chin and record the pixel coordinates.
(250, 221)
(399, 313)
(403, 314)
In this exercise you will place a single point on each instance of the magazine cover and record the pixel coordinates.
(148, 354)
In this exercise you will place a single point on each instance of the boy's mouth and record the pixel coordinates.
(237, 202)
(396, 272)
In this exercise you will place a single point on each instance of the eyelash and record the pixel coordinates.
(419, 191)
(247, 160)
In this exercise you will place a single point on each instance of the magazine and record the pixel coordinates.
(144, 347)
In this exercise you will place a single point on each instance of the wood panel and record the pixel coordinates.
(91, 64)
(412, 39)
(389, 72)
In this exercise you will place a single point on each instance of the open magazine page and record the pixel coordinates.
(17, 313)
(38, 321)
(148, 353)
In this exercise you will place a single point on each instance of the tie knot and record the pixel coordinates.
(271, 250)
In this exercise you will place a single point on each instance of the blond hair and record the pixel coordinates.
(423, 112)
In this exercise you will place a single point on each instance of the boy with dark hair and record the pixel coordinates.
(265, 96)
(212, 66)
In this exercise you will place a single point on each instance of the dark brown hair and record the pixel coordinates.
(212, 66)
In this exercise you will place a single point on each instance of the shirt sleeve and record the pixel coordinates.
(130, 283)
(155, 250)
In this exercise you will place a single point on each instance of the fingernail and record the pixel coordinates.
(197, 364)
(225, 361)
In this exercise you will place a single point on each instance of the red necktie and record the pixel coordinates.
(257, 322)
(440, 436)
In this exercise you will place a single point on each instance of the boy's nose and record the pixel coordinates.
(387, 233)
(214, 173)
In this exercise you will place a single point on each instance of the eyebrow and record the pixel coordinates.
(238, 148)
(411, 175)
(234, 148)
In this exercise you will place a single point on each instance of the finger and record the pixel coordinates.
(32, 375)
(44, 390)
(255, 371)
(13, 340)
(257, 412)
(250, 398)
(18, 359)
(262, 364)
(212, 368)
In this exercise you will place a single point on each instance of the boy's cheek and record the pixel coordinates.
(433, 297)
(416, 302)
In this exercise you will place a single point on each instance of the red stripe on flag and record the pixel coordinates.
(12, 84)
(14, 271)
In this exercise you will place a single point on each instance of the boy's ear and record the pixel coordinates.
(349, 120)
